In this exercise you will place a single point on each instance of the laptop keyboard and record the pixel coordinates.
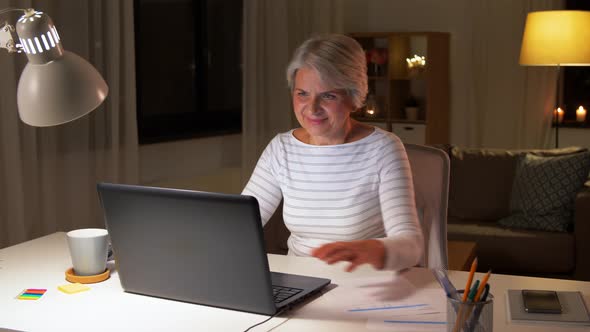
(281, 293)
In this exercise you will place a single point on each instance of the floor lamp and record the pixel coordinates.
(556, 38)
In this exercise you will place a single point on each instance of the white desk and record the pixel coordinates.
(41, 263)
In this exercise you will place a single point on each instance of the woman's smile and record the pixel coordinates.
(315, 122)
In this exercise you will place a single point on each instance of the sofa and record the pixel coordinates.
(480, 193)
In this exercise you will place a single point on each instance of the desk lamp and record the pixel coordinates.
(56, 86)
(556, 38)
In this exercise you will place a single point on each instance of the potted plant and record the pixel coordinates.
(411, 108)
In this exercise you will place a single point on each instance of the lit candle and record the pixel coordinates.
(581, 114)
(370, 112)
(560, 113)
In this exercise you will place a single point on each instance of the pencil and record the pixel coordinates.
(470, 279)
(482, 286)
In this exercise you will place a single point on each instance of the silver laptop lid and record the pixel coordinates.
(197, 247)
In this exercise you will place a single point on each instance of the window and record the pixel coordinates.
(188, 68)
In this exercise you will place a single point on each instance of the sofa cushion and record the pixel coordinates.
(481, 180)
(516, 250)
(480, 184)
(544, 191)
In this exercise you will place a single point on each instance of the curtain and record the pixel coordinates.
(509, 106)
(48, 175)
(271, 32)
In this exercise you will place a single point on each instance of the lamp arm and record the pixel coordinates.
(7, 38)
(8, 34)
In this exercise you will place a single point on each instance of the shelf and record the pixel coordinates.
(392, 84)
(572, 124)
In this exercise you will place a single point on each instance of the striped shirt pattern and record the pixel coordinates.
(344, 192)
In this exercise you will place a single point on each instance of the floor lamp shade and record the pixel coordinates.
(556, 38)
(56, 86)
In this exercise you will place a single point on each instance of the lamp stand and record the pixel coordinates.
(558, 97)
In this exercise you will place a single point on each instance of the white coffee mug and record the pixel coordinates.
(88, 249)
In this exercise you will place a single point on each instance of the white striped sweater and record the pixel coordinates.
(344, 192)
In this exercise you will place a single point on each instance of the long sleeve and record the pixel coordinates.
(404, 240)
(263, 184)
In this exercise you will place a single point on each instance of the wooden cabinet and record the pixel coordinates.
(394, 87)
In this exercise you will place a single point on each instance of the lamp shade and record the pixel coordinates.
(556, 37)
(56, 86)
(60, 91)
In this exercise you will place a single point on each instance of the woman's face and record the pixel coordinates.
(324, 112)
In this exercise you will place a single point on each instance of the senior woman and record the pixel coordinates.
(347, 186)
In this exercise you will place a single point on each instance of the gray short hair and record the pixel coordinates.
(339, 60)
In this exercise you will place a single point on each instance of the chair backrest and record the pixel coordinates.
(430, 171)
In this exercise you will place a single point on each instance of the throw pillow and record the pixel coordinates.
(544, 191)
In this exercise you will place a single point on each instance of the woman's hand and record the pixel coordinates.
(356, 252)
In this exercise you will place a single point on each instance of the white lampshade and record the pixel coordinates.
(556, 37)
(56, 86)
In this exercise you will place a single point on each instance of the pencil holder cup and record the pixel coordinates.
(472, 317)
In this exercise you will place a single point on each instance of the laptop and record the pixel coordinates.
(199, 247)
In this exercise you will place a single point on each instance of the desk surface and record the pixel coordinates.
(41, 263)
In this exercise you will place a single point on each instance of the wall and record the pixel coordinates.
(571, 137)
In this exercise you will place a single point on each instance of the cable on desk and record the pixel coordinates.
(266, 320)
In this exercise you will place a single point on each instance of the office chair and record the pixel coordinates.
(430, 171)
